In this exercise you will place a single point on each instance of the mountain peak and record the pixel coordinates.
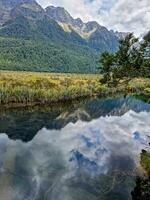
(59, 14)
(90, 34)
(92, 25)
(27, 8)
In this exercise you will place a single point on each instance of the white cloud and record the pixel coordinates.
(77, 8)
(122, 15)
(127, 15)
(46, 160)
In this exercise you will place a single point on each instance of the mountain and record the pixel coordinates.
(59, 14)
(119, 35)
(31, 41)
(6, 8)
(96, 36)
(37, 39)
(58, 117)
(90, 34)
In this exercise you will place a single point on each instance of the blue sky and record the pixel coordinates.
(121, 15)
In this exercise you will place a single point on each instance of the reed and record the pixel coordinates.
(41, 88)
(27, 87)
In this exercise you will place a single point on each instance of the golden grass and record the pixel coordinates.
(139, 84)
(41, 88)
(24, 87)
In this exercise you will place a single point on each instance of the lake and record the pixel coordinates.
(83, 150)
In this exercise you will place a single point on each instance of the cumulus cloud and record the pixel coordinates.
(84, 9)
(121, 15)
(79, 152)
(85, 149)
(127, 15)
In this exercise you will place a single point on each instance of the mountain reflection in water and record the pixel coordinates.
(86, 151)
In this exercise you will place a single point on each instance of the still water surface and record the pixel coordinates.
(87, 150)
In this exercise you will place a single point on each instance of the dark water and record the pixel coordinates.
(87, 150)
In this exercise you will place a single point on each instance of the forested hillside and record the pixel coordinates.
(43, 46)
(29, 55)
(31, 39)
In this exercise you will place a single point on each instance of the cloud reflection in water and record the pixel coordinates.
(75, 162)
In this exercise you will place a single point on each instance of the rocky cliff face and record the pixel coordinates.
(31, 10)
(96, 36)
(59, 14)
(12, 8)
(119, 35)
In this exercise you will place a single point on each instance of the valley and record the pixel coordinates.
(37, 39)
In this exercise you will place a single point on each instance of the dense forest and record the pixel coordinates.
(43, 46)
(29, 55)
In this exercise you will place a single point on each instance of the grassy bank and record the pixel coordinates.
(142, 189)
(145, 161)
(39, 88)
(28, 87)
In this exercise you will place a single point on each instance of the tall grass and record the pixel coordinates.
(40, 88)
(27, 87)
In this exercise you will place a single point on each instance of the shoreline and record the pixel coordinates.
(70, 100)
(28, 89)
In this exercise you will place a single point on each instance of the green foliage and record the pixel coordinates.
(128, 61)
(29, 55)
(43, 46)
(145, 161)
(130, 56)
(142, 189)
(106, 60)
(147, 37)
(124, 52)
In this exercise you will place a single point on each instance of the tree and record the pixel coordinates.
(125, 49)
(129, 55)
(107, 61)
(147, 37)
(128, 61)
(146, 55)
